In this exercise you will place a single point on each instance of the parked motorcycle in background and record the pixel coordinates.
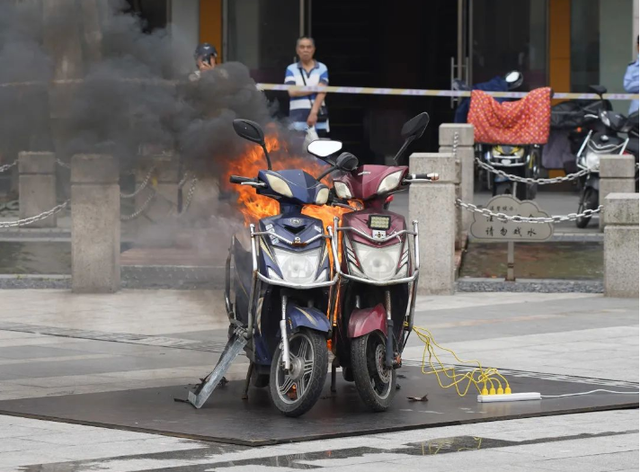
(602, 139)
(523, 161)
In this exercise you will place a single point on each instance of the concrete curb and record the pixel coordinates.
(469, 284)
(200, 278)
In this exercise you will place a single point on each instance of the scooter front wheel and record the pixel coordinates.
(589, 202)
(375, 382)
(296, 391)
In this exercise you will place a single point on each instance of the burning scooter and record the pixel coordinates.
(278, 296)
(379, 273)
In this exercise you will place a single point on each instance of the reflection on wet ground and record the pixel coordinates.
(205, 459)
(550, 260)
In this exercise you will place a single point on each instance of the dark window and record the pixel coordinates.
(152, 12)
(510, 35)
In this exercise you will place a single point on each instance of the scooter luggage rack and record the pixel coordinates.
(242, 334)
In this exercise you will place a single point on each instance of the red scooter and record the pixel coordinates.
(378, 276)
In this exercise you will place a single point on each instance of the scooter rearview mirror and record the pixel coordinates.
(415, 126)
(512, 76)
(323, 147)
(347, 162)
(412, 130)
(251, 131)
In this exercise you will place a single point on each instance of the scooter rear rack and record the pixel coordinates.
(234, 346)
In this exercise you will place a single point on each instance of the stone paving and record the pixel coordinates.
(55, 343)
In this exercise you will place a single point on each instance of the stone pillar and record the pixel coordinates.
(433, 205)
(465, 156)
(621, 245)
(37, 186)
(617, 174)
(95, 224)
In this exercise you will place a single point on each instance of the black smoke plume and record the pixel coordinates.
(81, 76)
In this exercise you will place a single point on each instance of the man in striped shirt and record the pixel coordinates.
(307, 109)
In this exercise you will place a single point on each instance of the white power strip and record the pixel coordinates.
(512, 397)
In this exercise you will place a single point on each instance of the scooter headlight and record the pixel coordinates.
(592, 161)
(279, 185)
(342, 190)
(378, 263)
(498, 151)
(390, 182)
(322, 196)
(298, 267)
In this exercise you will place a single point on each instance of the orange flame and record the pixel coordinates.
(253, 206)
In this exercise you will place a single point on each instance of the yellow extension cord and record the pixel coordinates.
(477, 376)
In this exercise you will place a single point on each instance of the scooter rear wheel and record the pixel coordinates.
(376, 384)
(296, 391)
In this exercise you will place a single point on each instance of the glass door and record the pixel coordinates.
(262, 35)
(506, 35)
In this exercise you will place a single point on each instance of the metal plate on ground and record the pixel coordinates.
(228, 419)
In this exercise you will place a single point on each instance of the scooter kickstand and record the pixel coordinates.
(245, 392)
(333, 376)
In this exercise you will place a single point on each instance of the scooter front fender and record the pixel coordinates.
(367, 320)
(307, 317)
(593, 181)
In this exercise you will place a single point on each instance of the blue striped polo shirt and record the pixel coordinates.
(300, 107)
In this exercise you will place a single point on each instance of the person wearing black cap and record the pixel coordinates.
(205, 56)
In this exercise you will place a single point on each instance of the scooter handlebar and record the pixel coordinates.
(238, 179)
(421, 177)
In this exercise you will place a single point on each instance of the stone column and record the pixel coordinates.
(433, 205)
(465, 156)
(37, 186)
(621, 245)
(617, 174)
(95, 225)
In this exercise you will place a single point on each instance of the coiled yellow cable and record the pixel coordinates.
(476, 377)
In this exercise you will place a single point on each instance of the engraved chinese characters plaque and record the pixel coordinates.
(492, 229)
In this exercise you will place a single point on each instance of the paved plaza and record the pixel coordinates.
(54, 343)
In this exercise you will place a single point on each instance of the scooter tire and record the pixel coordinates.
(590, 202)
(363, 361)
(316, 381)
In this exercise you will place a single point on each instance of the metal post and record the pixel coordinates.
(511, 276)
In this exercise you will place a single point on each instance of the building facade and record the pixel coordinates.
(565, 44)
